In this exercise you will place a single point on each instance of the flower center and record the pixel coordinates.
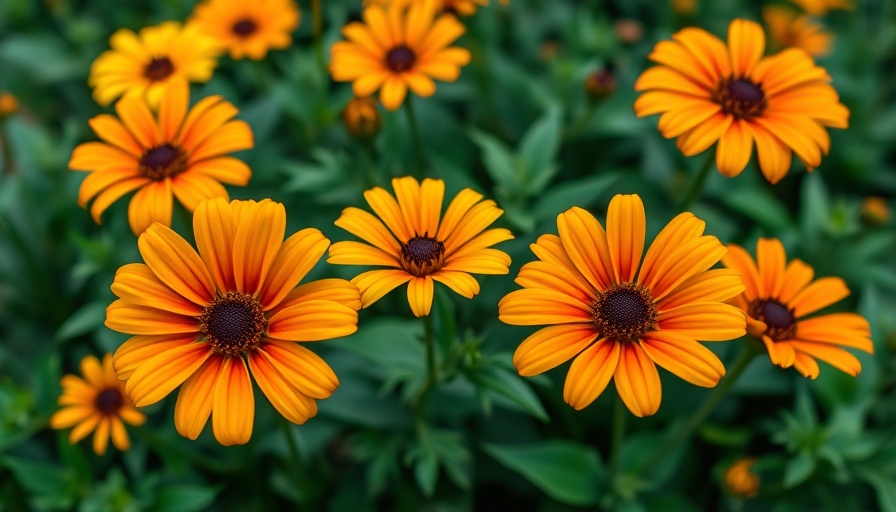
(163, 162)
(400, 59)
(244, 27)
(109, 401)
(624, 312)
(780, 321)
(233, 323)
(422, 255)
(159, 68)
(740, 98)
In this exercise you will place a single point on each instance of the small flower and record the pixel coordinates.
(204, 321)
(419, 244)
(177, 152)
(600, 84)
(144, 65)
(875, 211)
(821, 7)
(710, 92)
(399, 47)
(362, 119)
(616, 321)
(778, 299)
(8, 104)
(740, 481)
(248, 28)
(788, 29)
(96, 403)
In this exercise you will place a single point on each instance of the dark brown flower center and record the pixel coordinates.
(740, 98)
(159, 68)
(244, 27)
(109, 401)
(163, 162)
(779, 320)
(422, 255)
(400, 59)
(233, 323)
(624, 312)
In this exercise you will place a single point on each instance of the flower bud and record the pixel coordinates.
(8, 104)
(600, 84)
(362, 119)
(740, 481)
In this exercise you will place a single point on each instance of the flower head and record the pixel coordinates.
(710, 92)
(205, 320)
(419, 244)
(175, 151)
(96, 402)
(144, 65)
(740, 480)
(248, 28)
(618, 317)
(821, 7)
(778, 301)
(788, 29)
(398, 47)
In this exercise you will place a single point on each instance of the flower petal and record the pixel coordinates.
(552, 346)
(684, 357)
(156, 378)
(420, 293)
(590, 373)
(286, 399)
(707, 321)
(234, 403)
(637, 380)
(176, 264)
(195, 399)
(626, 224)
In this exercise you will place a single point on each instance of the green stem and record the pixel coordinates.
(317, 29)
(415, 136)
(5, 150)
(698, 182)
(432, 374)
(619, 413)
(295, 461)
(160, 445)
(747, 353)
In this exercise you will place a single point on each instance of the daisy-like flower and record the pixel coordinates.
(778, 301)
(460, 7)
(144, 65)
(821, 7)
(205, 320)
(399, 47)
(710, 92)
(616, 321)
(788, 29)
(419, 244)
(96, 403)
(248, 28)
(177, 152)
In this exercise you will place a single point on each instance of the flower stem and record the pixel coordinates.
(432, 373)
(747, 353)
(619, 413)
(6, 150)
(317, 29)
(415, 136)
(697, 184)
(295, 462)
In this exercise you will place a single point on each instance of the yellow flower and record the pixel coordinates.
(8, 104)
(616, 321)
(710, 92)
(740, 481)
(791, 30)
(460, 7)
(174, 152)
(198, 319)
(96, 403)
(821, 7)
(143, 65)
(419, 244)
(778, 299)
(248, 28)
(396, 48)
(361, 118)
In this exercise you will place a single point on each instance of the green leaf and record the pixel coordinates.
(815, 211)
(760, 207)
(38, 478)
(184, 498)
(89, 318)
(582, 192)
(500, 162)
(538, 149)
(510, 385)
(566, 471)
(799, 469)
(883, 487)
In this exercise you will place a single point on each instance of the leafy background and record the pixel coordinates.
(518, 127)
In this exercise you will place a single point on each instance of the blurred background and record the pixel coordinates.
(522, 127)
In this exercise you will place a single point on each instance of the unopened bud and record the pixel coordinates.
(8, 104)
(875, 211)
(600, 84)
(362, 118)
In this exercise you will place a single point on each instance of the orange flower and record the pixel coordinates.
(821, 7)
(248, 28)
(788, 29)
(707, 92)
(176, 151)
(778, 301)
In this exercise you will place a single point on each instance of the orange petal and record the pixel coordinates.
(708, 321)
(420, 293)
(302, 368)
(550, 347)
(214, 229)
(234, 406)
(313, 320)
(677, 232)
(542, 307)
(139, 349)
(137, 284)
(157, 377)
(819, 294)
(257, 240)
(739, 259)
(684, 357)
(586, 245)
(298, 254)
(626, 224)
(176, 264)
(123, 316)
(293, 405)
(195, 399)
(374, 284)
(637, 380)
(590, 373)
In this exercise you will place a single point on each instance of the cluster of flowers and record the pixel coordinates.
(209, 319)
